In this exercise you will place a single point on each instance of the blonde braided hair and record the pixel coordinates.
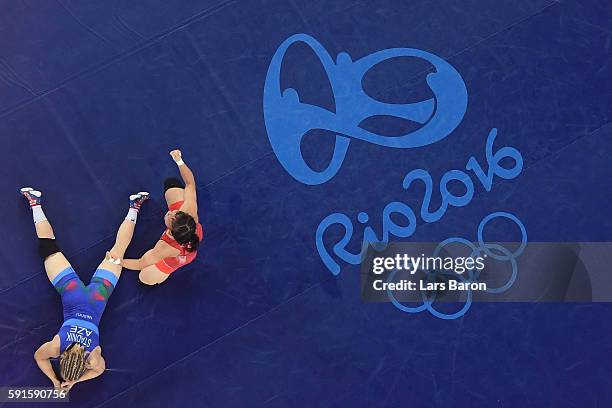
(72, 362)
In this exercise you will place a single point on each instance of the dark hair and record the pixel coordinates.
(184, 231)
(72, 363)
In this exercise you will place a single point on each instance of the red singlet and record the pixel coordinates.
(169, 265)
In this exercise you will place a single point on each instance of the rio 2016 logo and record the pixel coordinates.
(288, 120)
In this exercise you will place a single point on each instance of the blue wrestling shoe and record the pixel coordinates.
(34, 196)
(137, 199)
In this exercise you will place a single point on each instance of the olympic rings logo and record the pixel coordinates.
(492, 250)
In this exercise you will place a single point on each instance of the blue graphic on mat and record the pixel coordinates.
(495, 251)
(485, 174)
(288, 120)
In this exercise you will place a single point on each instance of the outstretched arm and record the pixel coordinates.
(190, 205)
(46, 351)
(160, 251)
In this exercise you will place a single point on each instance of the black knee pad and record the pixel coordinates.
(47, 247)
(172, 182)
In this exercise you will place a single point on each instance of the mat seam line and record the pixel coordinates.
(109, 236)
(187, 356)
(221, 5)
(184, 24)
(550, 155)
(508, 27)
(124, 54)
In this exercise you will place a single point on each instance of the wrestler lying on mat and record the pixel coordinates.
(77, 342)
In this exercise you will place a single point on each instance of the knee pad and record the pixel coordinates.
(172, 182)
(47, 247)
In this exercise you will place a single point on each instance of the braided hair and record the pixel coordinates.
(72, 362)
(184, 231)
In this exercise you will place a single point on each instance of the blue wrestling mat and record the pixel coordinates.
(313, 128)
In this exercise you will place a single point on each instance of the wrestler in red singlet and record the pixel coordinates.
(178, 245)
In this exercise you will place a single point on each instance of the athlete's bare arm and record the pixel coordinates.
(160, 251)
(50, 349)
(190, 206)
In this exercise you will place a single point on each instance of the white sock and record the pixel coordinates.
(132, 215)
(38, 214)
